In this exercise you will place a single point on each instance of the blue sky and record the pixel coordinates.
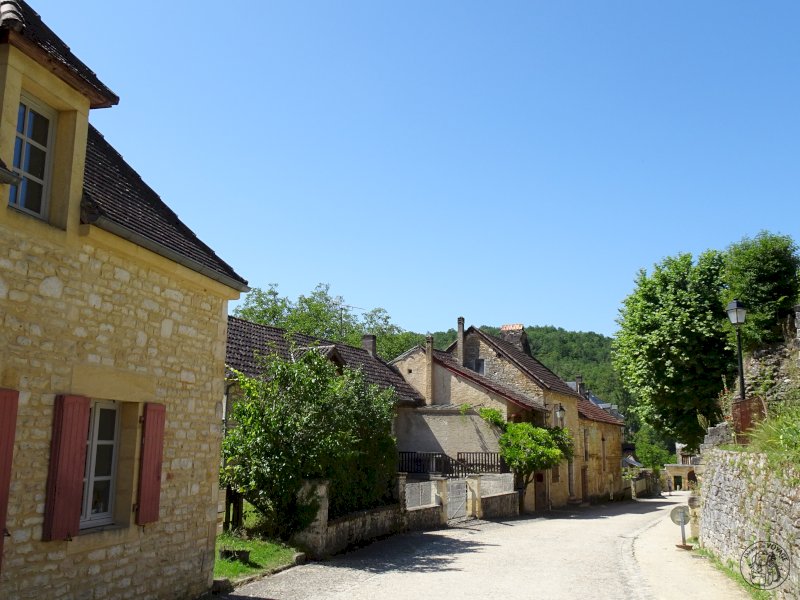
(508, 162)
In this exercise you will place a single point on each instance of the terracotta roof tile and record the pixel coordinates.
(589, 410)
(247, 341)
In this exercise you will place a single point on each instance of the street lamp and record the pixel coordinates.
(737, 314)
(560, 412)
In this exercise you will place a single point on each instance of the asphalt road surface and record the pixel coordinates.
(620, 551)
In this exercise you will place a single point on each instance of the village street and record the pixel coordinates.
(621, 551)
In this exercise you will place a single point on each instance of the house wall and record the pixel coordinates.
(438, 430)
(604, 471)
(84, 312)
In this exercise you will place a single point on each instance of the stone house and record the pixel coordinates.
(523, 389)
(112, 349)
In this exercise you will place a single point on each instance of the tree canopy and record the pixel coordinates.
(762, 273)
(321, 315)
(671, 350)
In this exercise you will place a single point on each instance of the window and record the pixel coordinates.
(556, 473)
(32, 153)
(102, 444)
(476, 365)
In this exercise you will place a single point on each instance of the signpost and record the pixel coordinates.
(680, 516)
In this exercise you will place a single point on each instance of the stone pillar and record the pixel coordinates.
(474, 507)
(441, 490)
(314, 538)
(401, 490)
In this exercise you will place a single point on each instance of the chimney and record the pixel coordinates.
(515, 334)
(460, 342)
(369, 343)
(580, 387)
(429, 370)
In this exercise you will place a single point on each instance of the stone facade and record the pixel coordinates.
(86, 313)
(744, 501)
(443, 430)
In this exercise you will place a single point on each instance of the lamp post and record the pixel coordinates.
(737, 314)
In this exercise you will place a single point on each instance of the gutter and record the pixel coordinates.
(160, 249)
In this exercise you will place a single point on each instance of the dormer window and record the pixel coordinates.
(32, 157)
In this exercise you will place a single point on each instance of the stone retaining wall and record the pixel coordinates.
(500, 506)
(743, 502)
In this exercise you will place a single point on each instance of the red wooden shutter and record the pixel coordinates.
(62, 511)
(8, 425)
(150, 467)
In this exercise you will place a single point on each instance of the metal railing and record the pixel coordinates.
(440, 463)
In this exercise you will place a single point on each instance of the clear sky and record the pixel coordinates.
(504, 161)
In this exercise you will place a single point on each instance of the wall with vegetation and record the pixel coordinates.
(744, 501)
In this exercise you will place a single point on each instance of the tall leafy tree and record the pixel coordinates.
(322, 315)
(762, 272)
(671, 350)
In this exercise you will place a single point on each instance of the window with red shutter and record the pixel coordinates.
(8, 425)
(62, 512)
(150, 468)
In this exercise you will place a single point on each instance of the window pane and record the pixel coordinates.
(34, 161)
(12, 198)
(21, 118)
(108, 421)
(31, 195)
(101, 495)
(103, 460)
(37, 127)
(18, 153)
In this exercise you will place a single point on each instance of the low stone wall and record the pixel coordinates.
(425, 518)
(500, 506)
(744, 502)
(361, 527)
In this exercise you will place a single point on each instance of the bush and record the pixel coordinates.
(304, 420)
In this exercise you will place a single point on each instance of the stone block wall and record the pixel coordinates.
(743, 502)
(93, 315)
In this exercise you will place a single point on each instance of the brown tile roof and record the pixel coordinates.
(246, 341)
(116, 198)
(589, 410)
(529, 365)
(448, 361)
(19, 23)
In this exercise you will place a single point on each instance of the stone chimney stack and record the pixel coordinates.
(580, 386)
(460, 342)
(429, 370)
(515, 334)
(370, 344)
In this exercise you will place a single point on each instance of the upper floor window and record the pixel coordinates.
(32, 156)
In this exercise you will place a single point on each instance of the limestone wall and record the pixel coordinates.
(91, 314)
(443, 430)
(743, 502)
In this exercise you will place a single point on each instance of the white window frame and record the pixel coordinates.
(31, 103)
(89, 519)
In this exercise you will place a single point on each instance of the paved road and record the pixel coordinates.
(620, 551)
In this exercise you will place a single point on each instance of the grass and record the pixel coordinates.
(732, 571)
(265, 555)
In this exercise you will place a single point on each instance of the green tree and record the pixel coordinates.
(527, 449)
(321, 315)
(671, 350)
(303, 420)
(762, 272)
(651, 450)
